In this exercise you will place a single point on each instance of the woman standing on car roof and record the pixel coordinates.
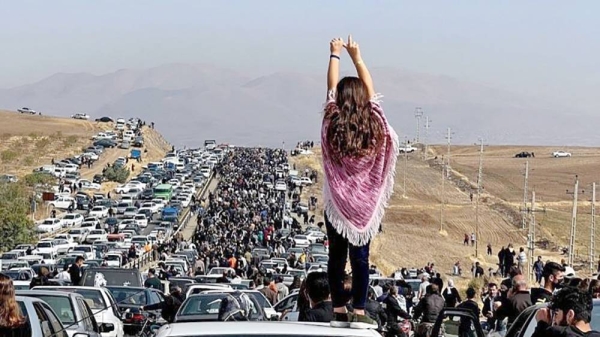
(12, 321)
(359, 158)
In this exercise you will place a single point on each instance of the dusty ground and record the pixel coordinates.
(412, 235)
(28, 142)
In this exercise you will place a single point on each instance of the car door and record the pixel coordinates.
(449, 321)
(88, 320)
(50, 325)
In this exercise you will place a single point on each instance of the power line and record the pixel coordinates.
(443, 196)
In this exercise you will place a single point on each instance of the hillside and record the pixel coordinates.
(411, 229)
(30, 141)
(191, 101)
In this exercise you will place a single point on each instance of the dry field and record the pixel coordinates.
(412, 235)
(29, 141)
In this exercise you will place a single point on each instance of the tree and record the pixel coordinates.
(117, 173)
(38, 178)
(15, 226)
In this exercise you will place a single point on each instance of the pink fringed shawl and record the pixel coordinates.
(356, 191)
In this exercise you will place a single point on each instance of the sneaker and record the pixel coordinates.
(363, 322)
(341, 320)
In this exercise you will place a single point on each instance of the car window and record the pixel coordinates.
(43, 318)
(87, 316)
(61, 306)
(286, 304)
(154, 297)
(57, 328)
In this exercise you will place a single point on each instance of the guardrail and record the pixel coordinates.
(151, 256)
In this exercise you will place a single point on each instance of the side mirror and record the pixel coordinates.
(107, 327)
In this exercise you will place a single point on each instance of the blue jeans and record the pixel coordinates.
(359, 261)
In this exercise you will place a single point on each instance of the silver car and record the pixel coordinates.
(73, 312)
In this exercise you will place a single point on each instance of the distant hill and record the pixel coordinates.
(190, 103)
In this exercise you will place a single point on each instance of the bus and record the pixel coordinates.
(163, 191)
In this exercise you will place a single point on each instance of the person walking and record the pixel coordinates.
(358, 144)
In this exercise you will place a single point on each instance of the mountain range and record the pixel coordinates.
(191, 102)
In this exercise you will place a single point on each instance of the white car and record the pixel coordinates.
(113, 259)
(141, 220)
(62, 202)
(45, 247)
(86, 184)
(78, 234)
(97, 235)
(124, 188)
(561, 154)
(49, 226)
(313, 236)
(130, 212)
(99, 212)
(407, 149)
(80, 116)
(62, 246)
(72, 220)
(27, 111)
(301, 241)
(160, 203)
(91, 155)
(87, 251)
(98, 299)
(90, 221)
(280, 185)
(126, 222)
(305, 181)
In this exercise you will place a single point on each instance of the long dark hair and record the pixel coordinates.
(354, 131)
(10, 312)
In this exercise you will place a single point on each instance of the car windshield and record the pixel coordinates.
(92, 297)
(114, 277)
(61, 306)
(44, 244)
(83, 249)
(300, 237)
(97, 209)
(129, 296)
(69, 216)
(202, 305)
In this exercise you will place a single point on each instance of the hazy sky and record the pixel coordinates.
(544, 47)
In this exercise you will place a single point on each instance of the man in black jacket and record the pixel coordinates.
(169, 307)
(393, 311)
(465, 329)
(553, 274)
(76, 272)
(571, 313)
(321, 308)
(488, 305)
(429, 308)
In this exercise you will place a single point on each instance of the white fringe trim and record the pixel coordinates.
(354, 235)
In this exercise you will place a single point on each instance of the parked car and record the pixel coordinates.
(73, 312)
(41, 320)
(561, 154)
(27, 111)
(80, 116)
(129, 300)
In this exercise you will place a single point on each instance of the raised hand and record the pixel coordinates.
(353, 49)
(336, 45)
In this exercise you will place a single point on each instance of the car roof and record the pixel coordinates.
(47, 293)
(264, 328)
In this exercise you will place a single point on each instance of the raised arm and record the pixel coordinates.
(333, 72)
(361, 69)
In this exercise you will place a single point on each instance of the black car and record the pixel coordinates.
(104, 120)
(105, 143)
(98, 179)
(83, 202)
(147, 194)
(129, 300)
(524, 155)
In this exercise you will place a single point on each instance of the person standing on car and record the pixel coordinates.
(428, 309)
(569, 314)
(358, 144)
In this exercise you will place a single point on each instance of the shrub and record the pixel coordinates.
(8, 156)
(29, 161)
(15, 225)
(118, 174)
(42, 143)
(38, 178)
(70, 141)
(33, 136)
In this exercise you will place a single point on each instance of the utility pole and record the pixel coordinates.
(443, 197)
(448, 138)
(593, 230)
(532, 236)
(524, 220)
(418, 115)
(405, 166)
(573, 222)
(478, 196)
(426, 146)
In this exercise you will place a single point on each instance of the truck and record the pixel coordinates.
(210, 144)
(169, 214)
(407, 149)
(135, 154)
